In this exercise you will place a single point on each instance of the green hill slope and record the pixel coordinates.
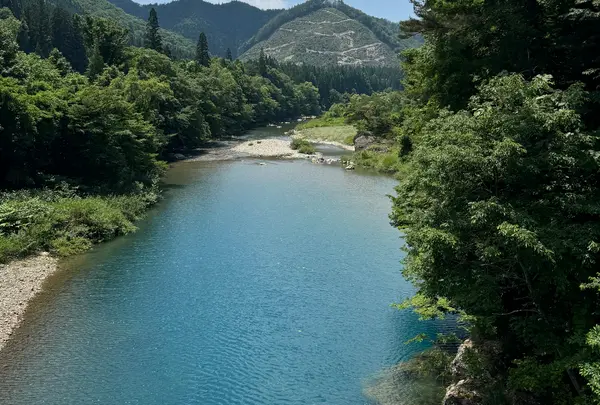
(179, 45)
(227, 25)
(318, 34)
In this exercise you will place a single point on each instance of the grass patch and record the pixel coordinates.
(342, 134)
(303, 146)
(324, 121)
(64, 224)
(388, 162)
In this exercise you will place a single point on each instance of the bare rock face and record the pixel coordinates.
(363, 140)
(462, 393)
(458, 367)
(474, 368)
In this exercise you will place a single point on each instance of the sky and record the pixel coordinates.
(394, 10)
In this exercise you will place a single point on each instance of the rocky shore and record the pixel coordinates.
(255, 148)
(20, 281)
(277, 148)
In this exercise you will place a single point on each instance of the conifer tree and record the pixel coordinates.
(228, 55)
(153, 39)
(167, 51)
(202, 55)
(96, 65)
(262, 63)
(68, 39)
(37, 17)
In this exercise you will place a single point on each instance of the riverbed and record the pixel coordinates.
(249, 284)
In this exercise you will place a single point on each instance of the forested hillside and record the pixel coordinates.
(227, 26)
(180, 46)
(321, 33)
(335, 83)
(86, 115)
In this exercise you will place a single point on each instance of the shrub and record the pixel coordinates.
(67, 246)
(303, 146)
(14, 246)
(65, 225)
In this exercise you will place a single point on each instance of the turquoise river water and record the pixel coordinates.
(248, 284)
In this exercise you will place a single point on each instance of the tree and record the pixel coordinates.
(68, 38)
(228, 55)
(471, 41)
(153, 39)
(500, 208)
(202, 55)
(38, 19)
(262, 63)
(105, 38)
(9, 28)
(96, 62)
(167, 51)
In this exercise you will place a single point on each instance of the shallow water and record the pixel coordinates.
(249, 284)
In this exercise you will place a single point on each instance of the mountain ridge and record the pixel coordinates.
(325, 32)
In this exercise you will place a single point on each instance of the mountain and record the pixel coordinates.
(227, 25)
(325, 32)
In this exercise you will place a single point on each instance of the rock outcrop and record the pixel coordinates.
(462, 393)
(473, 369)
(363, 140)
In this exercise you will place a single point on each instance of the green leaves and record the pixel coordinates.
(498, 207)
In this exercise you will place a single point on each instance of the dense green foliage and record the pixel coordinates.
(500, 191)
(336, 82)
(303, 146)
(62, 222)
(515, 186)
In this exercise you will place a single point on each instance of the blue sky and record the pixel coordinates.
(394, 10)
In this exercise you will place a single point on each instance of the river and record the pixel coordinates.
(249, 284)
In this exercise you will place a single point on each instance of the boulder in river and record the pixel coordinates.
(363, 140)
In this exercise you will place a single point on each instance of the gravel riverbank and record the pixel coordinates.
(20, 281)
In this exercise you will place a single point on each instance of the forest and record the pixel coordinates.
(496, 136)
